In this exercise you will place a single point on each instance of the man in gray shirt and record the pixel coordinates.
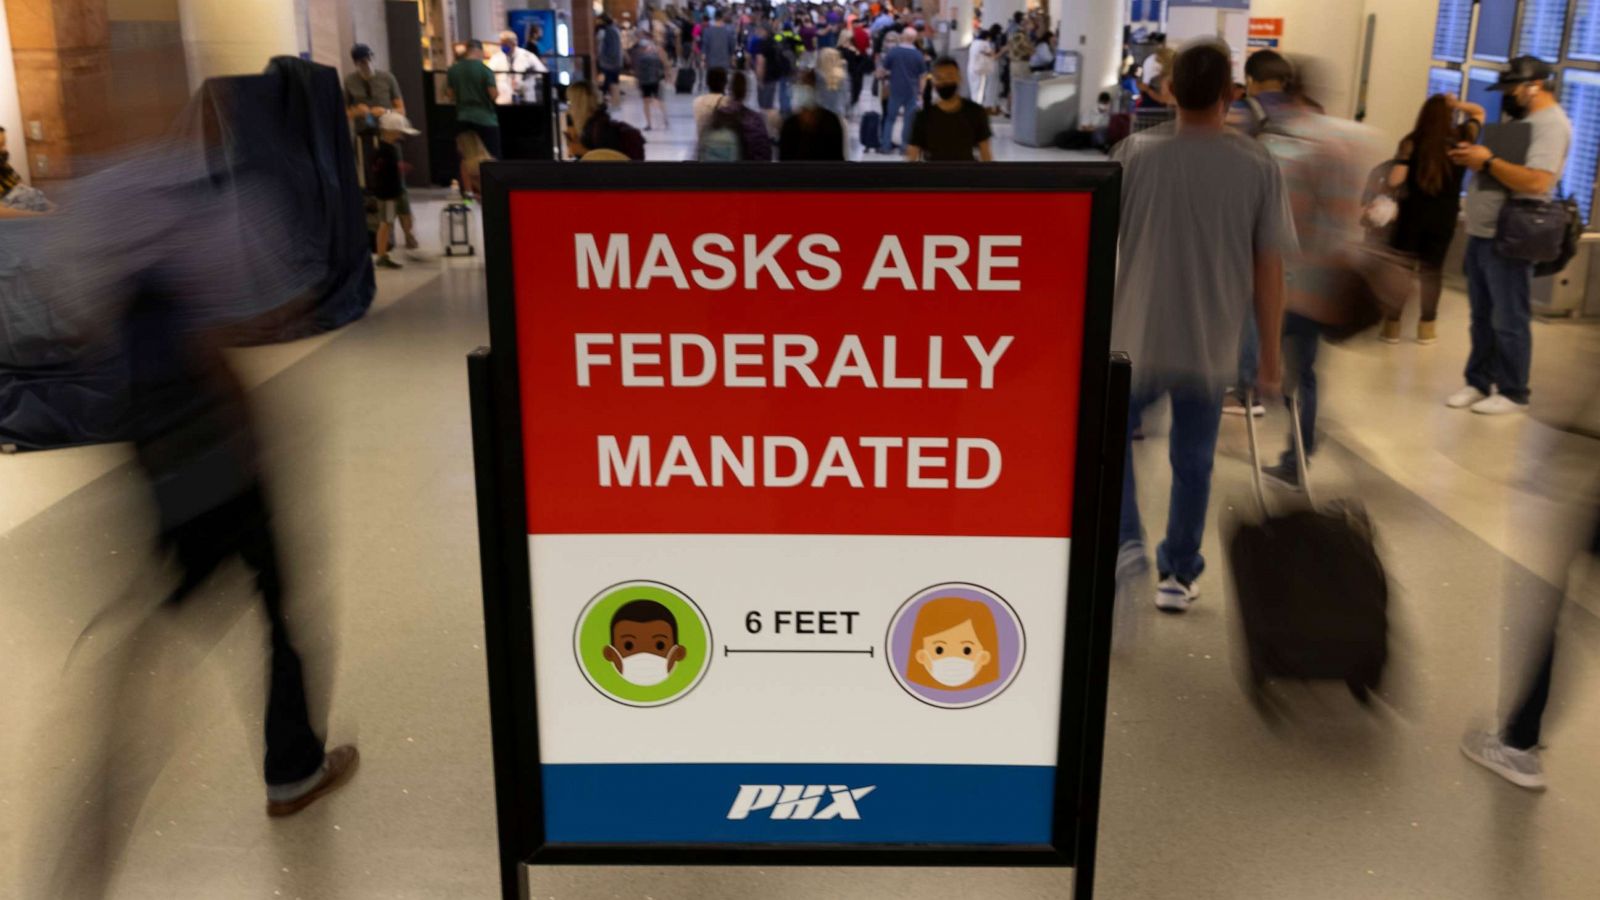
(717, 44)
(1499, 288)
(369, 92)
(1205, 226)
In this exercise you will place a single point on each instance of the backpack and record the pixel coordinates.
(649, 69)
(618, 136)
(783, 58)
(723, 140)
(1569, 240)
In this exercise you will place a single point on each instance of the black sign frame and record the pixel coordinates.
(502, 518)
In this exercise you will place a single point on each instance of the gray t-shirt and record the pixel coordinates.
(1196, 209)
(716, 43)
(382, 90)
(1550, 135)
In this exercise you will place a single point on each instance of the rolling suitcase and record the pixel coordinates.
(871, 127)
(685, 84)
(1313, 599)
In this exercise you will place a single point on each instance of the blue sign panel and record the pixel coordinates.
(798, 803)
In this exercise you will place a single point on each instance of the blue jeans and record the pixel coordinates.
(1196, 416)
(898, 105)
(1249, 353)
(1301, 337)
(1502, 335)
(771, 91)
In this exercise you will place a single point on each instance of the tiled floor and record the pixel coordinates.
(368, 442)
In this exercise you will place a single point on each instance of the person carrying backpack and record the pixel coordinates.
(735, 132)
(775, 65)
(590, 126)
(650, 67)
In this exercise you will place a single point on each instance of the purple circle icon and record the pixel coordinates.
(955, 645)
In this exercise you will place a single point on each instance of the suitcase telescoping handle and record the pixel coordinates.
(1255, 451)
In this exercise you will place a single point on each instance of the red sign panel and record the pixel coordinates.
(1272, 27)
(800, 363)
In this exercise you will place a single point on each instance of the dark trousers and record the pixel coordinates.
(1522, 728)
(1301, 337)
(242, 525)
(1500, 291)
(489, 134)
(1196, 418)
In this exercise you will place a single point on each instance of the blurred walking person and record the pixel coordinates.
(650, 67)
(1180, 321)
(813, 132)
(181, 282)
(983, 85)
(903, 69)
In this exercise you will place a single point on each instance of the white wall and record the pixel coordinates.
(1331, 33)
(370, 26)
(1093, 28)
(1402, 50)
(10, 104)
(230, 37)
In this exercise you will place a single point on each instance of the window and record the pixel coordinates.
(1586, 32)
(1496, 21)
(1443, 81)
(1478, 83)
(1450, 34)
(1580, 97)
(1543, 21)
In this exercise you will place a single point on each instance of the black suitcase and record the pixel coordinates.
(871, 126)
(1313, 598)
(685, 83)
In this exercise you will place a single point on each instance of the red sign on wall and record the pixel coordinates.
(1266, 28)
(817, 363)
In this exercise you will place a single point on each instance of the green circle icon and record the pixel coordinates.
(642, 643)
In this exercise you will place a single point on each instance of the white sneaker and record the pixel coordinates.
(1498, 405)
(1520, 767)
(1131, 560)
(1133, 588)
(1465, 397)
(1173, 596)
(1233, 405)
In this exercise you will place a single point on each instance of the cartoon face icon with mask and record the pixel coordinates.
(644, 643)
(953, 644)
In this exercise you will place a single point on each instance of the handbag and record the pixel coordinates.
(1531, 230)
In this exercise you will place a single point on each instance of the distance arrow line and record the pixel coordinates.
(870, 651)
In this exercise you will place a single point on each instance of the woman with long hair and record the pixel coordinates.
(1427, 188)
(833, 82)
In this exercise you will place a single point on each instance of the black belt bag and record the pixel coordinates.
(1531, 230)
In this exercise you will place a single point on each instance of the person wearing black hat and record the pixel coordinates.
(369, 93)
(1498, 287)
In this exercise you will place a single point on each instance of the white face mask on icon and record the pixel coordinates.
(954, 671)
(643, 669)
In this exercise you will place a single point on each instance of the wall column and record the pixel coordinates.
(10, 104)
(1093, 28)
(61, 50)
(235, 37)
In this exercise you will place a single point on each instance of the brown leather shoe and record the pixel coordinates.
(342, 763)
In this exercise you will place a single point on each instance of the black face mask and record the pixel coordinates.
(946, 91)
(1510, 106)
(5, 158)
